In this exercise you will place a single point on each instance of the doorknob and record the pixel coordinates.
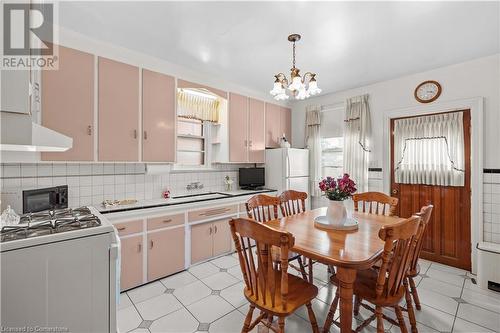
(394, 191)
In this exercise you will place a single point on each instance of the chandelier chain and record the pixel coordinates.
(293, 62)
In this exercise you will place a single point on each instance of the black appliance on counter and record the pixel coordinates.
(45, 198)
(252, 178)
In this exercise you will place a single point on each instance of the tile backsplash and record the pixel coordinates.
(491, 207)
(90, 184)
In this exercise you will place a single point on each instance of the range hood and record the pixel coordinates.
(20, 133)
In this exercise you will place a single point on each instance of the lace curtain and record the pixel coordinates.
(313, 143)
(430, 150)
(357, 132)
(197, 107)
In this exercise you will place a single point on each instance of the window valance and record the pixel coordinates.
(198, 107)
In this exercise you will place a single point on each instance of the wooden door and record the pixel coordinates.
(158, 117)
(68, 104)
(131, 262)
(238, 125)
(273, 127)
(118, 111)
(165, 253)
(221, 237)
(286, 123)
(448, 236)
(256, 131)
(201, 242)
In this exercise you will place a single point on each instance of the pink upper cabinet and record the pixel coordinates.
(158, 117)
(286, 123)
(118, 111)
(273, 127)
(68, 104)
(238, 125)
(256, 131)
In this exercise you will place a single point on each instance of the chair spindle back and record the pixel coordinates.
(400, 244)
(425, 214)
(292, 202)
(262, 207)
(377, 203)
(266, 283)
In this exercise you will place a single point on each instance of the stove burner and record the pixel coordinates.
(49, 222)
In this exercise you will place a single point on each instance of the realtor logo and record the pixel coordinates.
(28, 36)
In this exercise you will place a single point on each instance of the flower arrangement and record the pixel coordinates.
(338, 189)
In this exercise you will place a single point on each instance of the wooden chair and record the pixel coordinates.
(376, 202)
(271, 290)
(385, 287)
(425, 214)
(291, 203)
(263, 208)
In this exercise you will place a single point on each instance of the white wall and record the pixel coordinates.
(479, 77)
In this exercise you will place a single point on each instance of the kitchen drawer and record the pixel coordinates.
(243, 210)
(165, 221)
(129, 227)
(207, 213)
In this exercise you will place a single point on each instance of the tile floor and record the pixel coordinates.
(209, 298)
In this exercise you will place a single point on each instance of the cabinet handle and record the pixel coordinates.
(121, 228)
(139, 247)
(246, 143)
(89, 130)
(167, 221)
(215, 229)
(152, 244)
(145, 135)
(135, 134)
(250, 143)
(210, 232)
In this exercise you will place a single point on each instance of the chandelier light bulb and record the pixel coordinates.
(313, 88)
(296, 83)
(277, 89)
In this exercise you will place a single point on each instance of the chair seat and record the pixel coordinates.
(300, 292)
(365, 288)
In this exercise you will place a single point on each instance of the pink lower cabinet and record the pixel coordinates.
(118, 109)
(165, 252)
(131, 262)
(201, 242)
(210, 239)
(221, 237)
(158, 117)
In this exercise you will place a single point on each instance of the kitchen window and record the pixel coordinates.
(332, 141)
(191, 142)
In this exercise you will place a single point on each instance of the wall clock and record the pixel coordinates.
(427, 91)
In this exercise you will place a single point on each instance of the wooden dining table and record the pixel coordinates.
(348, 251)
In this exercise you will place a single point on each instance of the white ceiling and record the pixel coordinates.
(348, 44)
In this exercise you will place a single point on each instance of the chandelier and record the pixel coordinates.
(300, 87)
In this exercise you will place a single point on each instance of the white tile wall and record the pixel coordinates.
(491, 207)
(90, 184)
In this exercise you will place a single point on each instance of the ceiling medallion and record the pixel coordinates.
(300, 87)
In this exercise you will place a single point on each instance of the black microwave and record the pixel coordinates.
(45, 198)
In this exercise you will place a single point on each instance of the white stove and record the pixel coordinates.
(62, 267)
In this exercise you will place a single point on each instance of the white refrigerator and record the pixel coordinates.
(287, 169)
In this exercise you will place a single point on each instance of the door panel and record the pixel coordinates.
(68, 104)
(221, 237)
(238, 125)
(158, 117)
(273, 127)
(256, 131)
(131, 262)
(201, 242)
(286, 123)
(118, 111)
(165, 253)
(447, 238)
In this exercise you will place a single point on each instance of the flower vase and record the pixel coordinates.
(336, 213)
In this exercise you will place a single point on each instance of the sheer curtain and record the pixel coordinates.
(430, 150)
(357, 132)
(197, 107)
(313, 143)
